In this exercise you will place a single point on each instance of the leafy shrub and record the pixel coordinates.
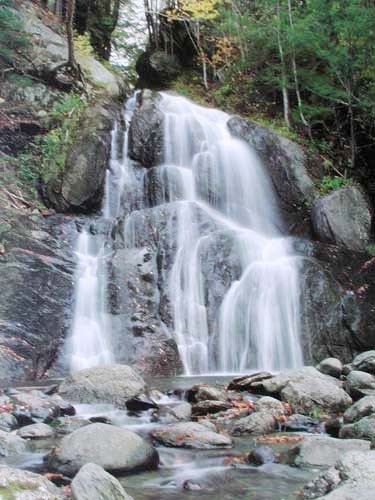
(331, 183)
(12, 34)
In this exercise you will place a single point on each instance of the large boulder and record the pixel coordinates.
(93, 483)
(291, 171)
(362, 408)
(363, 428)
(365, 362)
(331, 366)
(261, 422)
(343, 218)
(351, 478)
(113, 384)
(157, 68)
(360, 384)
(146, 130)
(319, 451)
(113, 448)
(24, 485)
(190, 435)
(80, 187)
(36, 431)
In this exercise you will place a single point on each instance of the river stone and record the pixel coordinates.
(257, 423)
(67, 425)
(146, 130)
(261, 455)
(204, 392)
(20, 484)
(343, 217)
(113, 384)
(8, 422)
(362, 429)
(205, 407)
(113, 448)
(10, 444)
(269, 405)
(247, 382)
(34, 407)
(93, 483)
(330, 366)
(36, 431)
(323, 450)
(360, 384)
(365, 362)
(352, 478)
(190, 435)
(176, 413)
(362, 408)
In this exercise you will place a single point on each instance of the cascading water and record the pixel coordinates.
(257, 325)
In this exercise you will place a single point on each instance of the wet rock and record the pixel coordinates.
(333, 426)
(34, 407)
(36, 431)
(176, 413)
(157, 68)
(204, 392)
(208, 407)
(322, 450)
(352, 477)
(256, 424)
(140, 403)
(10, 444)
(269, 405)
(67, 425)
(364, 362)
(360, 384)
(8, 422)
(111, 447)
(362, 429)
(343, 218)
(113, 384)
(330, 366)
(25, 485)
(248, 382)
(261, 455)
(190, 435)
(362, 408)
(146, 130)
(303, 423)
(64, 407)
(93, 483)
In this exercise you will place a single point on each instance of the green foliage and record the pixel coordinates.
(12, 35)
(66, 106)
(371, 249)
(83, 45)
(20, 80)
(332, 183)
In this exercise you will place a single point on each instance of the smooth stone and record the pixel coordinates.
(297, 422)
(114, 449)
(261, 455)
(93, 483)
(113, 384)
(362, 429)
(10, 444)
(257, 423)
(319, 451)
(330, 366)
(176, 413)
(365, 362)
(67, 425)
(140, 403)
(20, 484)
(360, 384)
(270, 405)
(8, 422)
(208, 407)
(364, 407)
(36, 431)
(190, 435)
(204, 392)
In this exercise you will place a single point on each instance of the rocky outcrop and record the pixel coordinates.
(113, 384)
(157, 68)
(24, 485)
(93, 483)
(146, 130)
(343, 218)
(114, 449)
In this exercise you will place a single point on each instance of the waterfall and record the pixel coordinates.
(257, 325)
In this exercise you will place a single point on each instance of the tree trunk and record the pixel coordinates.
(284, 80)
(69, 32)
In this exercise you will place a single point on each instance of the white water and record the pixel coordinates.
(257, 326)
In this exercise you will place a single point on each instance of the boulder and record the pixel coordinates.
(343, 217)
(24, 485)
(364, 362)
(93, 483)
(146, 130)
(208, 407)
(271, 406)
(8, 422)
(36, 431)
(157, 68)
(361, 429)
(34, 407)
(204, 392)
(67, 425)
(303, 423)
(330, 366)
(261, 455)
(248, 382)
(114, 449)
(10, 444)
(351, 478)
(362, 408)
(256, 424)
(190, 435)
(176, 413)
(113, 384)
(360, 384)
(317, 451)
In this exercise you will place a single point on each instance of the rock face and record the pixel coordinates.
(113, 384)
(190, 435)
(286, 163)
(343, 218)
(157, 68)
(352, 477)
(146, 130)
(24, 485)
(80, 187)
(110, 447)
(315, 451)
(93, 483)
